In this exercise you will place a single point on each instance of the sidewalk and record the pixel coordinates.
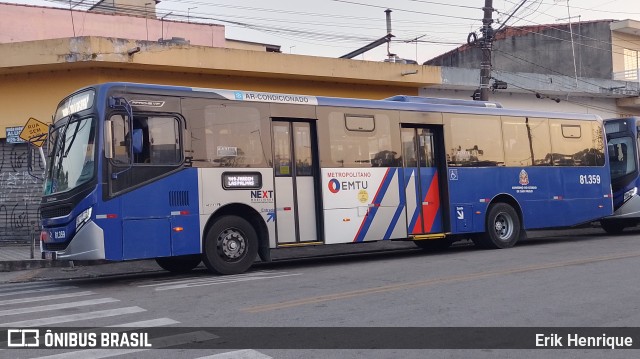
(16, 265)
(15, 257)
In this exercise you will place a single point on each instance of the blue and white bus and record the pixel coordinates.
(185, 175)
(622, 139)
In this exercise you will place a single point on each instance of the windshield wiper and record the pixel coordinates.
(60, 148)
(73, 137)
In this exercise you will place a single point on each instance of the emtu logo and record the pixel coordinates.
(334, 185)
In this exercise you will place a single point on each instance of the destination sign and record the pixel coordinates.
(241, 180)
(75, 104)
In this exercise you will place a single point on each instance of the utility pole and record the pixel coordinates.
(486, 44)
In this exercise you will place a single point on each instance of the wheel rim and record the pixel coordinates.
(503, 226)
(231, 244)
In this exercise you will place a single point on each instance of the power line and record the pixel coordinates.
(405, 10)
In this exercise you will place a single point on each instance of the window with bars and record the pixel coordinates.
(631, 64)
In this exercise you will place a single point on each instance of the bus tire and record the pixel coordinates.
(181, 264)
(612, 226)
(435, 245)
(503, 228)
(230, 245)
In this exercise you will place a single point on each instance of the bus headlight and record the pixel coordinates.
(83, 218)
(630, 193)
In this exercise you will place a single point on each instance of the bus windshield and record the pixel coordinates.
(71, 155)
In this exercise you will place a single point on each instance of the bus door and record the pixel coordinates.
(422, 190)
(295, 162)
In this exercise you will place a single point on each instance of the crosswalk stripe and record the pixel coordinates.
(31, 291)
(44, 308)
(209, 279)
(92, 354)
(27, 285)
(246, 279)
(146, 323)
(238, 354)
(74, 317)
(44, 297)
(161, 342)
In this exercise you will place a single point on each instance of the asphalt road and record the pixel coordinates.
(574, 278)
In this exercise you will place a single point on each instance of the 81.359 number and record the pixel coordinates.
(589, 179)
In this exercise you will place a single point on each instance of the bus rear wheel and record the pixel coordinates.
(230, 246)
(181, 264)
(503, 228)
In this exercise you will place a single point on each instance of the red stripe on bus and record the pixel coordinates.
(433, 198)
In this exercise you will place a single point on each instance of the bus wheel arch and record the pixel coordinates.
(232, 237)
(503, 224)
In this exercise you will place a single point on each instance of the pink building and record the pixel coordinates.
(19, 23)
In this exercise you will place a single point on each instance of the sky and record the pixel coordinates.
(332, 28)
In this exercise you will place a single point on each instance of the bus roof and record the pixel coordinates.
(405, 103)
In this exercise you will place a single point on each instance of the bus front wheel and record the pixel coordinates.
(230, 246)
(503, 228)
(181, 264)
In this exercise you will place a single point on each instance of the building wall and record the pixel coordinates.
(20, 23)
(19, 194)
(543, 49)
(621, 41)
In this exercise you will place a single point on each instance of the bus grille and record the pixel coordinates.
(53, 212)
(178, 198)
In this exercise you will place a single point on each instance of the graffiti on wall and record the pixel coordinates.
(20, 194)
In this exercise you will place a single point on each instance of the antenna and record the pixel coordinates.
(573, 48)
(162, 24)
(416, 41)
(146, 17)
(73, 25)
(191, 8)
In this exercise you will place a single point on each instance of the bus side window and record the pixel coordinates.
(160, 141)
(164, 140)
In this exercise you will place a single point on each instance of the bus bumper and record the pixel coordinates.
(87, 244)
